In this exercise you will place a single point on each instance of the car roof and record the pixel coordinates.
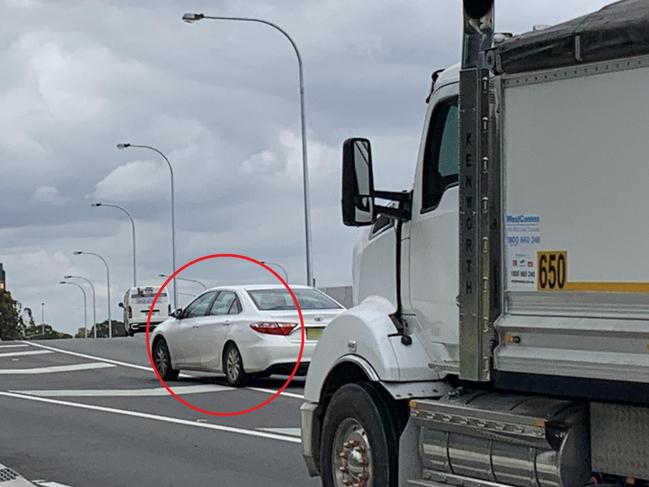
(257, 287)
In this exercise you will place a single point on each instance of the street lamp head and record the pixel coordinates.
(77, 252)
(190, 18)
(123, 146)
(95, 204)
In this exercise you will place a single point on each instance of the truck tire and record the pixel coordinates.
(162, 360)
(359, 439)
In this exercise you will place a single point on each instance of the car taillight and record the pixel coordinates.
(130, 312)
(273, 328)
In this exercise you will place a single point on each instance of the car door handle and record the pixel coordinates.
(194, 326)
(226, 323)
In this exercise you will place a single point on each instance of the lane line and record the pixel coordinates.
(20, 354)
(155, 417)
(55, 369)
(283, 431)
(92, 357)
(22, 345)
(271, 391)
(44, 483)
(149, 392)
(148, 369)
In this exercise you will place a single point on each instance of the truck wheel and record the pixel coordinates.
(235, 374)
(162, 361)
(359, 439)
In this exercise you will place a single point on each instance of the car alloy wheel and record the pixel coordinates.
(161, 358)
(233, 366)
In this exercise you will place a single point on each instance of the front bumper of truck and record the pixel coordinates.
(310, 431)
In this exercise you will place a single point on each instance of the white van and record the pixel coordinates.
(137, 302)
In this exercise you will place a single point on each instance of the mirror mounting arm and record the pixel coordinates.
(401, 212)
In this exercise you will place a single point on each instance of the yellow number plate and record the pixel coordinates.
(313, 333)
(552, 270)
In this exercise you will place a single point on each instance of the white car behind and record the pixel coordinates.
(242, 331)
(136, 305)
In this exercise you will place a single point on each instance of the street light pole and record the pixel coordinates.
(85, 306)
(94, 300)
(194, 17)
(188, 280)
(277, 265)
(43, 319)
(109, 205)
(173, 205)
(110, 322)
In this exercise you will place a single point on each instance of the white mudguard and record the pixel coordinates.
(366, 336)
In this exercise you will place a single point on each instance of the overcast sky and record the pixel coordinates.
(221, 100)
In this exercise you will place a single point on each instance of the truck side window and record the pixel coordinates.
(441, 155)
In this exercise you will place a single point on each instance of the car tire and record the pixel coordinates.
(162, 360)
(235, 374)
(358, 424)
(130, 333)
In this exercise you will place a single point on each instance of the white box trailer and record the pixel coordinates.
(575, 159)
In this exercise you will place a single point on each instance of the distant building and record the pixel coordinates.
(3, 284)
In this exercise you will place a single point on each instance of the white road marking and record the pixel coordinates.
(54, 369)
(149, 392)
(283, 431)
(44, 483)
(270, 391)
(20, 354)
(148, 368)
(155, 417)
(93, 357)
(22, 345)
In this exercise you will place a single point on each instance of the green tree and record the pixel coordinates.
(11, 322)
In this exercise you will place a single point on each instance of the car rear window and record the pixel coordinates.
(146, 295)
(280, 299)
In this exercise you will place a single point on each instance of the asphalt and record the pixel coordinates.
(85, 413)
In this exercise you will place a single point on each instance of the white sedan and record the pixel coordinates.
(242, 331)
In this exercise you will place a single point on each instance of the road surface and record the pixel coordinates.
(84, 413)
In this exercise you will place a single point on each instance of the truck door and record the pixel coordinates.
(433, 230)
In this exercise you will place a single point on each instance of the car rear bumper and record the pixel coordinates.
(275, 358)
(142, 326)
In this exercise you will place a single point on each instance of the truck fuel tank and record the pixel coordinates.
(491, 439)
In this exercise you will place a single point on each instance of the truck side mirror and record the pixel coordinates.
(358, 183)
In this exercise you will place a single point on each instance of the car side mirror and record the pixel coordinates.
(177, 313)
(358, 183)
(121, 305)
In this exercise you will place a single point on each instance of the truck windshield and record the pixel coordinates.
(280, 299)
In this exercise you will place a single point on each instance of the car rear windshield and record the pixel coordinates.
(146, 295)
(280, 299)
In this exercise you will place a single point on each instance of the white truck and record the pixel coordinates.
(502, 332)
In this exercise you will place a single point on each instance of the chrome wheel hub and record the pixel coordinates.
(351, 455)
